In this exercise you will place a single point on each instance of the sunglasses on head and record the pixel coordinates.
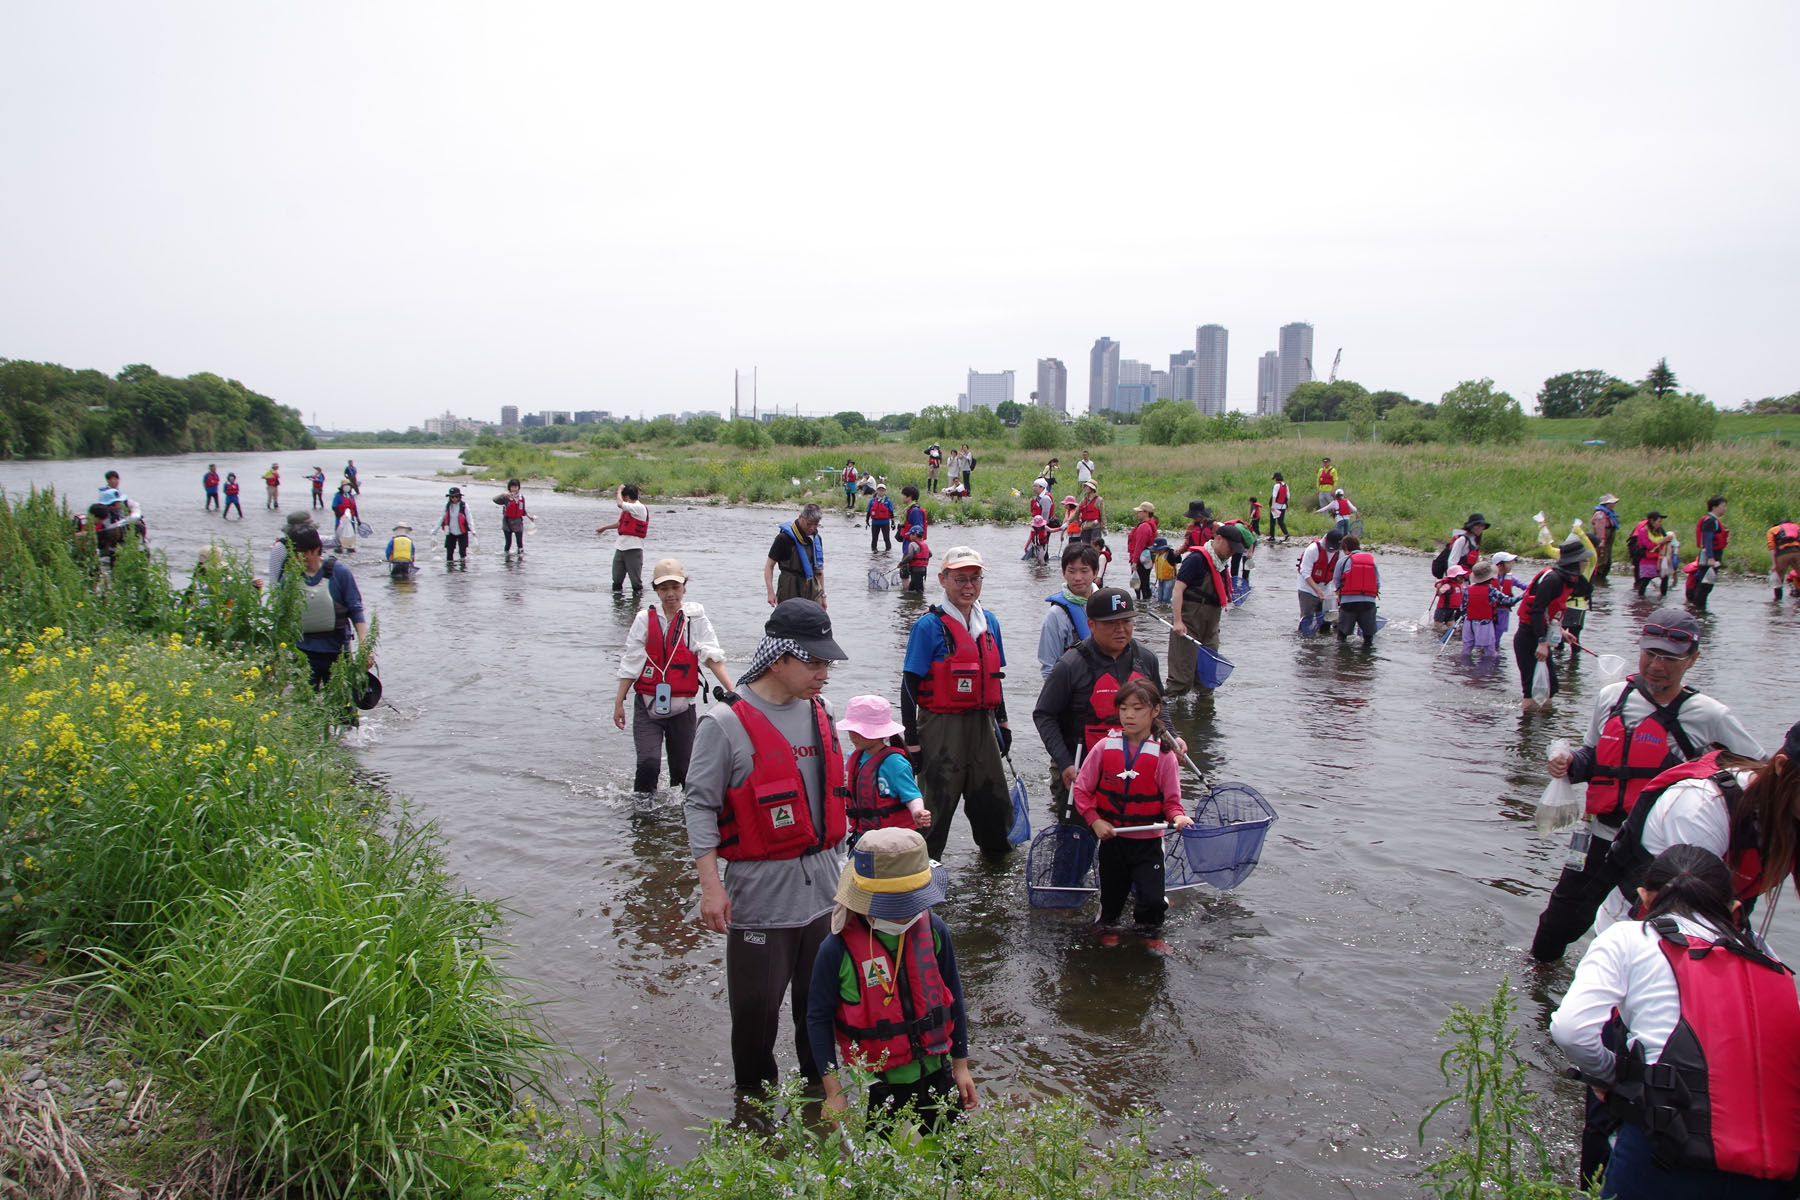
(1681, 637)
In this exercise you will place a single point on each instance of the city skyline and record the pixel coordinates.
(458, 220)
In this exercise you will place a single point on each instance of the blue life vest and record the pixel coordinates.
(812, 550)
(1077, 613)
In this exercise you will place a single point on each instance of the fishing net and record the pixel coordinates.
(882, 579)
(1224, 843)
(1059, 868)
(1213, 669)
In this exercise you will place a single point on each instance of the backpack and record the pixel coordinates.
(1440, 566)
(1634, 546)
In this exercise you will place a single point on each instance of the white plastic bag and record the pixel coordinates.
(1540, 684)
(1544, 536)
(1560, 806)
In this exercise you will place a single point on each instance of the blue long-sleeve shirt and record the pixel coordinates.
(823, 996)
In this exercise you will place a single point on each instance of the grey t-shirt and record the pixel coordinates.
(764, 895)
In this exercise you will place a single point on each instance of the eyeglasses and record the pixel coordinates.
(1681, 637)
(809, 660)
(977, 577)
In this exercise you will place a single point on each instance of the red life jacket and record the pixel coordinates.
(515, 506)
(1724, 1094)
(881, 509)
(1700, 537)
(1134, 801)
(767, 816)
(868, 808)
(1528, 606)
(968, 677)
(1072, 525)
(1325, 565)
(1281, 494)
(1452, 596)
(668, 658)
(918, 556)
(462, 519)
(1628, 757)
(1089, 512)
(1473, 554)
(231, 489)
(1787, 538)
(1628, 861)
(886, 1029)
(1327, 477)
(1198, 534)
(1480, 605)
(1255, 509)
(1343, 506)
(1360, 578)
(1103, 708)
(630, 524)
(848, 475)
(211, 479)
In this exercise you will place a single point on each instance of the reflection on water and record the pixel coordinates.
(1288, 1035)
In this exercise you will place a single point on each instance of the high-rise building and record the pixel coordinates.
(1053, 385)
(1295, 347)
(1133, 397)
(988, 389)
(1210, 345)
(1181, 375)
(509, 416)
(1134, 372)
(1161, 383)
(1103, 375)
(1268, 383)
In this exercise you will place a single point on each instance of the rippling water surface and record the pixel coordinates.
(1289, 1034)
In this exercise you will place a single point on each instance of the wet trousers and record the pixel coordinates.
(1358, 613)
(915, 579)
(651, 734)
(1132, 864)
(959, 761)
(881, 531)
(789, 584)
(1573, 902)
(1202, 621)
(1525, 644)
(628, 564)
(761, 965)
(513, 535)
(455, 544)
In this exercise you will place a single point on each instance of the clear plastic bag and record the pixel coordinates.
(1560, 806)
(1540, 684)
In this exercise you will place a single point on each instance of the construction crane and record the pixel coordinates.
(1335, 360)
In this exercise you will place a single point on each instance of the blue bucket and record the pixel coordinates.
(1225, 842)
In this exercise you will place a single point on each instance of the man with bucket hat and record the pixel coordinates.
(1540, 616)
(1642, 725)
(1075, 708)
(953, 709)
(885, 989)
(765, 793)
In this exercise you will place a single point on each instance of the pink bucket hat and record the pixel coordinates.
(871, 716)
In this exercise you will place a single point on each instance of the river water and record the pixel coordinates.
(1290, 1033)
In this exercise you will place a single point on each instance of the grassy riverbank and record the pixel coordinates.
(1409, 495)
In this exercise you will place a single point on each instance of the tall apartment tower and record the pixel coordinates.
(1181, 375)
(988, 389)
(1268, 383)
(1295, 347)
(1103, 375)
(1210, 345)
(509, 416)
(1053, 385)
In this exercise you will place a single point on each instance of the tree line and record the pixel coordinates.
(50, 411)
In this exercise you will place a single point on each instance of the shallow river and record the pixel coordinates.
(1290, 1032)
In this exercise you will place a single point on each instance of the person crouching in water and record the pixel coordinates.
(399, 553)
(883, 792)
(1481, 609)
(1132, 779)
(885, 991)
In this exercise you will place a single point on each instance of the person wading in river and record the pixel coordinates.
(953, 709)
(1075, 707)
(1540, 618)
(633, 527)
(798, 557)
(1603, 526)
(670, 640)
(1201, 593)
(765, 793)
(1639, 727)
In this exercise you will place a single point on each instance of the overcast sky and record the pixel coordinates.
(375, 212)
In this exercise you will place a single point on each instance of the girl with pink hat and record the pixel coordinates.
(883, 792)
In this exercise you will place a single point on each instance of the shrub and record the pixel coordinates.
(747, 435)
(1090, 431)
(1039, 430)
(1473, 411)
(1674, 421)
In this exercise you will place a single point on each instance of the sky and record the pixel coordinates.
(377, 212)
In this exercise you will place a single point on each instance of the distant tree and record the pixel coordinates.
(895, 422)
(705, 427)
(1406, 425)
(1161, 422)
(850, 420)
(1789, 403)
(1090, 431)
(1385, 401)
(829, 431)
(1661, 380)
(1573, 394)
(747, 434)
(1669, 422)
(1009, 412)
(1473, 411)
(1359, 411)
(1318, 401)
(1615, 393)
(1039, 430)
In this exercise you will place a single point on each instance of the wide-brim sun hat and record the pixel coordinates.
(889, 876)
(872, 717)
(1474, 520)
(1609, 498)
(1484, 571)
(298, 519)
(1573, 552)
(1038, 521)
(403, 527)
(1069, 500)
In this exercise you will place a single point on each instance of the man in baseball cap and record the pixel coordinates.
(765, 793)
(1075, 707)
(1201, 593)
(953, 709)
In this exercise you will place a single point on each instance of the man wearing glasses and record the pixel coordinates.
(765, 793)
(953, 710)
(1640, 726)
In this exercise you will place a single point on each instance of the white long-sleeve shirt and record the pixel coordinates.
(1623, 969)
(1691, 813)
(698, 634)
